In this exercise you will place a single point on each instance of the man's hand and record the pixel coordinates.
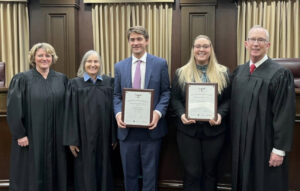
(23, 142)
(275, 160)
(121, 124)
(216, 122)
(186, 121)
(155, 120)
(74, 150)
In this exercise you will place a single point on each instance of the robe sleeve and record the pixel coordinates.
(283, 109)
(16, 106)
(71, 127)
(176, 96)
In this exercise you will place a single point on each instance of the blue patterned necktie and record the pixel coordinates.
(203, 70)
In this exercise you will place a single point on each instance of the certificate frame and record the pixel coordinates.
(127, 106)
(208, 92)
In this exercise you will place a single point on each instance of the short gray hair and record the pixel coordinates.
(260, 28)
(81, 68)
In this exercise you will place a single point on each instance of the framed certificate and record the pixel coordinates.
(201, 101)
(137, 107)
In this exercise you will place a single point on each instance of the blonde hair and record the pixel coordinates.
(216, 72)
(81, 68)
(47, 47)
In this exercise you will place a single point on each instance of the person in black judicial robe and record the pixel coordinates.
(35, 108)
(262, 119)
(89, 128)
(200, 143)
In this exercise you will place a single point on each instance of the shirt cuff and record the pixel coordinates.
(159, 113)
(278, 152)
(119, 113)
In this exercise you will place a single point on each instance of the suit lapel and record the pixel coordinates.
(149, 66)
(128, 73)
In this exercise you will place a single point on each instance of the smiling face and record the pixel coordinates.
(202, 51)
(138, 44)
(42, 59)
(92, 66)
(257, 44)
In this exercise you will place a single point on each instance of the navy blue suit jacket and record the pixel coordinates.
(157, 78)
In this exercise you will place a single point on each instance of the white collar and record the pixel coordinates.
(143, 58)
(257, 64)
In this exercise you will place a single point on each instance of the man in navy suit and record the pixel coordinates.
(140, 147)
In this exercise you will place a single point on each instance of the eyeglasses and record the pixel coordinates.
(198, 46)
(258, 40)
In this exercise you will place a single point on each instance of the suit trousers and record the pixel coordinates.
(200, 158)
(140, 156)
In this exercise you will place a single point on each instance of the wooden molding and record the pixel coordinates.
(17, 1)
(198, 2)
(60, 3)
(128, 1)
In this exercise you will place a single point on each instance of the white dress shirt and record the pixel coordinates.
(257, 64)
(143, 68)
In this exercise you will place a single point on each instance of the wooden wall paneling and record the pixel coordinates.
(226, 34)
(294, 155)
(85, 30)
(3, 100)
(5, 142)
(176, 41)
(57, 35)
(294, 159)
(195, 20)
(62, 33)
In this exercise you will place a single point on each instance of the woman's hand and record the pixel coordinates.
(23, 142)
(217, 122)
(114, 145)
(74, 150)
(186, 121)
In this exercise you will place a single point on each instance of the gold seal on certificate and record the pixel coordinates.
(137, 107)
(201, 101)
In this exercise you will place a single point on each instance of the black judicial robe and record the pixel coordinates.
(90, 126)
(262, 118)
(35, 108)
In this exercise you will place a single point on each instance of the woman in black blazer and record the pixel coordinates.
(200, 143)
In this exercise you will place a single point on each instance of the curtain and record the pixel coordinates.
(14, 37)
(280, 17)
(110, 24)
